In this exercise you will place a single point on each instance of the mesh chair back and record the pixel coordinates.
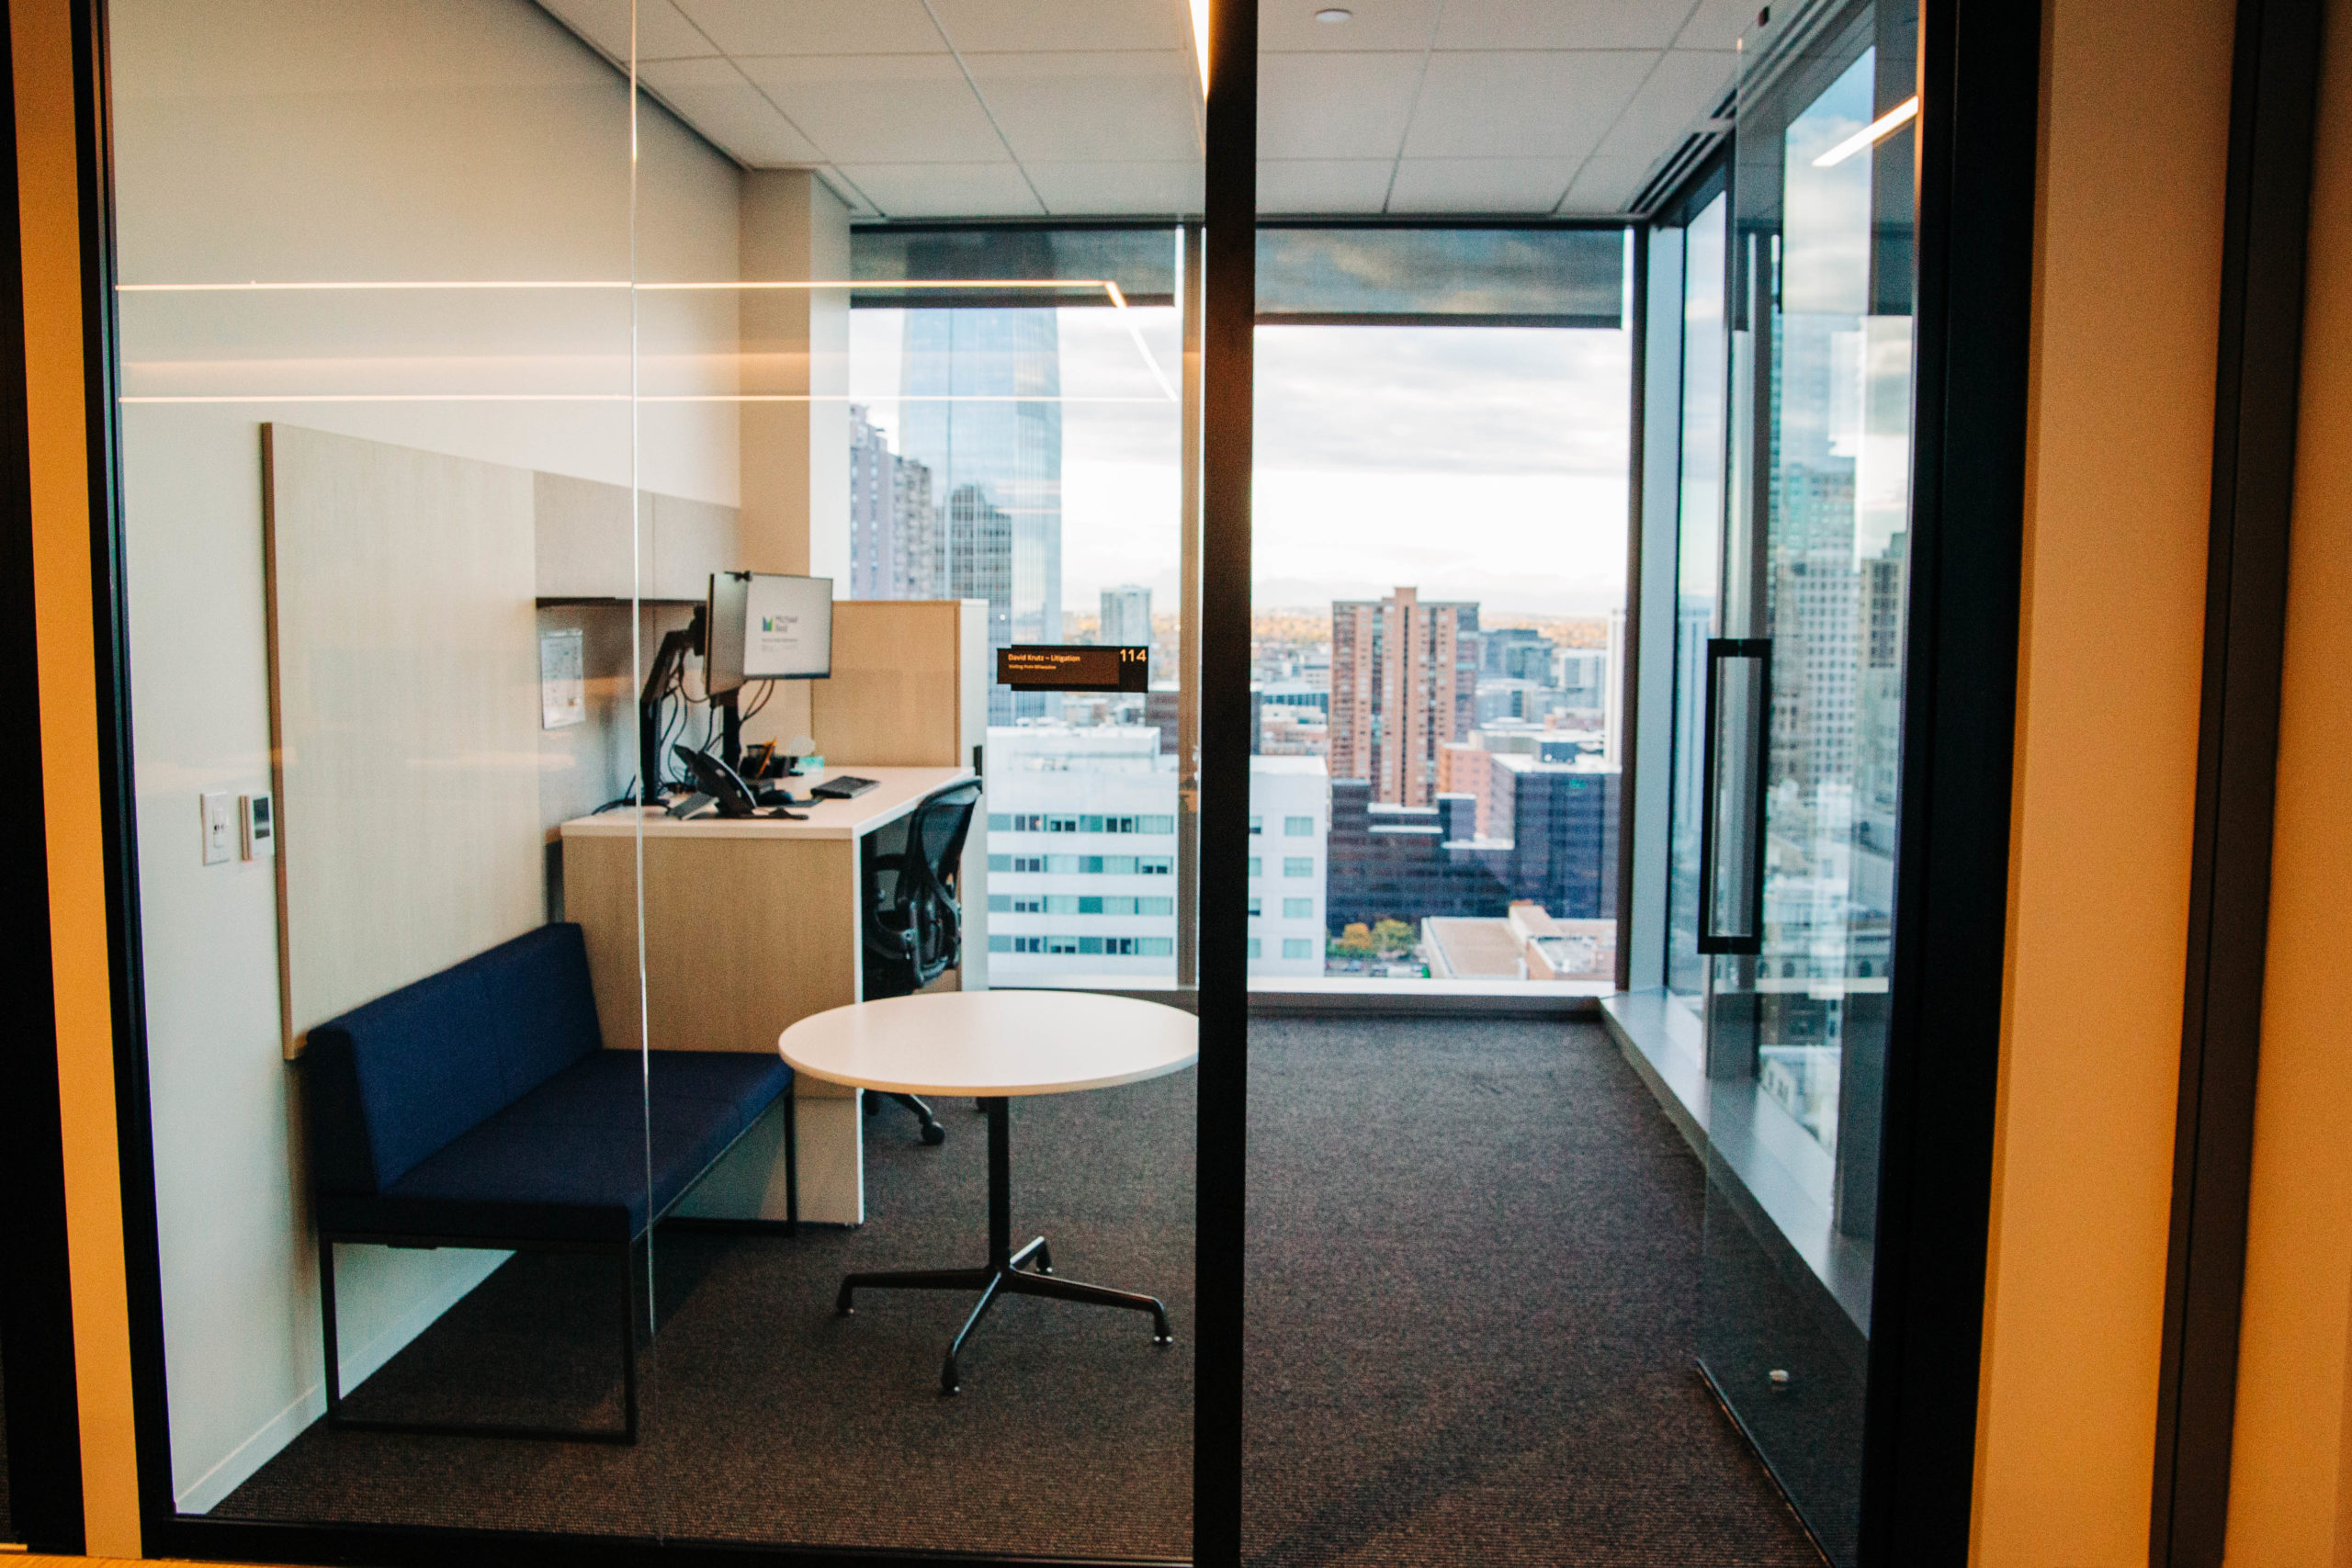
(940, 825)
(935, 848)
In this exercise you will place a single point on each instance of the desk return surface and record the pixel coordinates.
(751, 924)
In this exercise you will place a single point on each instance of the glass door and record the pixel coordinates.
(1794, 887)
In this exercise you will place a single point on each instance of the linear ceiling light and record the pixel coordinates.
(1201, 41)
(1875, 132)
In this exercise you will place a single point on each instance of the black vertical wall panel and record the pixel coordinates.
(2266, 211)
(1979, 100)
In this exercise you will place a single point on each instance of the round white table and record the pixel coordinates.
(993, 1045)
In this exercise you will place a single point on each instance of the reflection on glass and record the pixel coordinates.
(1819, 527)
(1700, 545)
(1027, 457)
(1838, 538)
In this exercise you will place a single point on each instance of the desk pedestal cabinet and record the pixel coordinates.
(750, 927)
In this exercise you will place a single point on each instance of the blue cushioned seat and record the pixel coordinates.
(480, 1102)
(479, 1107)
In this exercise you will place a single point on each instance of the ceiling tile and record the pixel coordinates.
(946, 190)
(1681, 92)
(1480, 185)
(715, 99)
(1718, 24)
(1315, 186)
(1404, 25)
(1134, 106)
(1048, 25)
(1334, 106)
(881, 109)
(1105, 190)
(1498, 105)
(661, 33)
(817, 27)
(1561, 23)
(1606, 187)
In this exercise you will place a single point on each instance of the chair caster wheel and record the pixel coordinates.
(934, 1134)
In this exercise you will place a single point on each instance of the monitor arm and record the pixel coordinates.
(667, 661)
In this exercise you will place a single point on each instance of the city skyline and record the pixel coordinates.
(1520, 430)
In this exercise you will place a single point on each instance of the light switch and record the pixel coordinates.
(220, 828)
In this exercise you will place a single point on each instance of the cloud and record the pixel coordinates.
(1444, 399)
(1481, 463)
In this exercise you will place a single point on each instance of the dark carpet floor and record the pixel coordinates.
(1473, 1295)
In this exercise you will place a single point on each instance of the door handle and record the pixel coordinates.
(1747, 934)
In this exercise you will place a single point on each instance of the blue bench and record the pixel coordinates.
(477, 1108)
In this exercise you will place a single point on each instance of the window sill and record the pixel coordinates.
(1780, 1176)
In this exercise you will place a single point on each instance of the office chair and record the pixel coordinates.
(913, 923)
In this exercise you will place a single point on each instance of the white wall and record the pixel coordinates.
(395, 139)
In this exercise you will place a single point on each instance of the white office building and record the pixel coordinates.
(1290, 835)
(1081, 846)
(1081, 823)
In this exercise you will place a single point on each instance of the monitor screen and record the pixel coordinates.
(768, 627)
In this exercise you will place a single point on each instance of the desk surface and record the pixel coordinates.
(896, 792)
(993, 1043)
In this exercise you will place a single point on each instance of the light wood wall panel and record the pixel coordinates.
(404, 714)
(2119, 491)
(746, 935)
(899, 695)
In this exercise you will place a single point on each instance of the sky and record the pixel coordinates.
(1482, 463)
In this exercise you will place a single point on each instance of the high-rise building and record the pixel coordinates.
(1403, 683)
(1552, 839)
(1126, 617)
(979, 559)
(983, 413)
(1815, 605)
(1519, 653)
(1082, 856)
(896, 548)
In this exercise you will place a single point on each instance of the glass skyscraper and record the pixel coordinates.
(983, 412)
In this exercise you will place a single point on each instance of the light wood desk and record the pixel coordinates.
(752, 925)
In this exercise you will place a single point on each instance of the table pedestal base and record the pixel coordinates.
(1028, 1273)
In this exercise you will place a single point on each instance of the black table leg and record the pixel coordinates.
(1027, 1272)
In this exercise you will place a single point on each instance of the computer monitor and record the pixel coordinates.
(765, 626)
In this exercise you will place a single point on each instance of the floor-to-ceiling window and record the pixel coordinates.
(1438, 623)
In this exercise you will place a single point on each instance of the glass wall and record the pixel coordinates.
(1023, 447)
(1699, 499)
(582, 463)
(1803, 786)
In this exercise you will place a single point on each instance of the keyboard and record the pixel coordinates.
(841, 787)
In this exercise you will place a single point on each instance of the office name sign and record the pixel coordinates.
(1073, 667)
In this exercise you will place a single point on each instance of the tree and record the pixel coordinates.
(1394, 936)
(1356, 939)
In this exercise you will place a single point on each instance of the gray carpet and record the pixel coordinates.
(1471, 1313)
